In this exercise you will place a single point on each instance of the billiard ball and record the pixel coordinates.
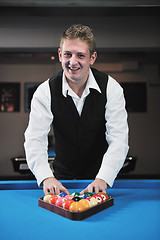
(60, 201)
(83, 196)
(98, 197)
(69, 196)
(62, 194)
(104, 196)
(76, 207)
(89, 194)
(93, 201)
(47, 197)
(85, 203)
(76, 199)
(53, 199)
(75, 194)
(67, 204)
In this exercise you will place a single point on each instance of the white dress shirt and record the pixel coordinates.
(41, 117)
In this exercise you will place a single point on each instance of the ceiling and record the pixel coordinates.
(77, 3)
(79, 7)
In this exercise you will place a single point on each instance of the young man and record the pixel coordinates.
(87, 110)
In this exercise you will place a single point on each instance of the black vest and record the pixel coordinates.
(80, 141)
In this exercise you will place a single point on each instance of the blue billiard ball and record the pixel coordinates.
(83, 196)
(62, 194)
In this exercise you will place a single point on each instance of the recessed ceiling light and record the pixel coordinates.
(52, 57)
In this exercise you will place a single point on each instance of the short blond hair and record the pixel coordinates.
(79, 31)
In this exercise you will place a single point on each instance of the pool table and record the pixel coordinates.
(134, 215)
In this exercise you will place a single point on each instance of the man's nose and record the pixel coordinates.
(73, 60)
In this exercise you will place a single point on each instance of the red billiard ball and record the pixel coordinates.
(67, 203)
(53, 199)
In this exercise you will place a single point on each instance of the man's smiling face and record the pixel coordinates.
(76, 60)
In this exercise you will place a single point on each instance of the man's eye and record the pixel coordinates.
(81, 55)
(67, 54)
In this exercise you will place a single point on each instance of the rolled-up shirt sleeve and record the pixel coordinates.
(36, 134)
(116, 133)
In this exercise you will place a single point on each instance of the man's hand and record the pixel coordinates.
(53, 186)
(98, 185)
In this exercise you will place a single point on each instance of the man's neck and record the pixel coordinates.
(77, 87)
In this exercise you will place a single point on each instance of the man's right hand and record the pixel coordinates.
(52, 185)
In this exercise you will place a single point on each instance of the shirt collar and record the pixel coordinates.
(91, 83)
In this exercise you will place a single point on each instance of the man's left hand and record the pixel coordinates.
(98, 185)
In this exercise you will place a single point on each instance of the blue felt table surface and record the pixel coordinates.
(134, 215)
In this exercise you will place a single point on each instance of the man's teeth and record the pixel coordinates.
(74, 69)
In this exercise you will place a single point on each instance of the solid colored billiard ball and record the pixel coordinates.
(47, 197)
(85, 203)
(53, 199)
(93, 201)
(62, 194)
(104, 196)
(89, 194)
(76, 199)
(98, 197)
(60, 201)
(76, 207)
(67, 204)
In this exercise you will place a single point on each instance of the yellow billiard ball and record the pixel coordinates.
(47, 197)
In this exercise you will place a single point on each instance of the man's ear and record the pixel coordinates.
(93, 58)
(59, 55)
